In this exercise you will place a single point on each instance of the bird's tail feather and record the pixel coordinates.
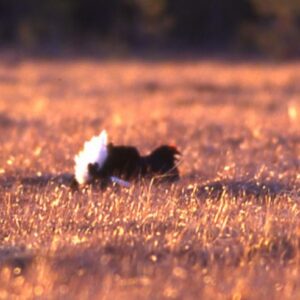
(94, 151)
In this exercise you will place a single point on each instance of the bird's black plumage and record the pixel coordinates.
(127, 163)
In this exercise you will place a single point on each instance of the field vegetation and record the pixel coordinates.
(229, 229)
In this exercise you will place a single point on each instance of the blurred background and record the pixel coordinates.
(269, 27)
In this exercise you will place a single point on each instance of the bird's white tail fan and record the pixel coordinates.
(94, 151)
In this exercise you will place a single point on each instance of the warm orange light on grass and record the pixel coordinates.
(229, 229)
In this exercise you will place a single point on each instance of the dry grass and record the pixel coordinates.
(228, 230)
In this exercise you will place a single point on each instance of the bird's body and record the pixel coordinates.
(122, 161)
(126, 163)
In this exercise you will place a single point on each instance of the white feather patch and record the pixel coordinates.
(94, 151)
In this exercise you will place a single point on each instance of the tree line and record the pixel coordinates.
(271, 26)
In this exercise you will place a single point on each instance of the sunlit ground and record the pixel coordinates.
(230, 228)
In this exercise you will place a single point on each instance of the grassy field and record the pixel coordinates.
(229, 229)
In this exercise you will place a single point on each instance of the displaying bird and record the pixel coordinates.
(105, 162)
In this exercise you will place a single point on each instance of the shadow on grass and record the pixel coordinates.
(126, 260)
(238, 188)
(16, 257)
(212, 190)
(64, 179)
(39, 181)
(115, 257)
(6, 122)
